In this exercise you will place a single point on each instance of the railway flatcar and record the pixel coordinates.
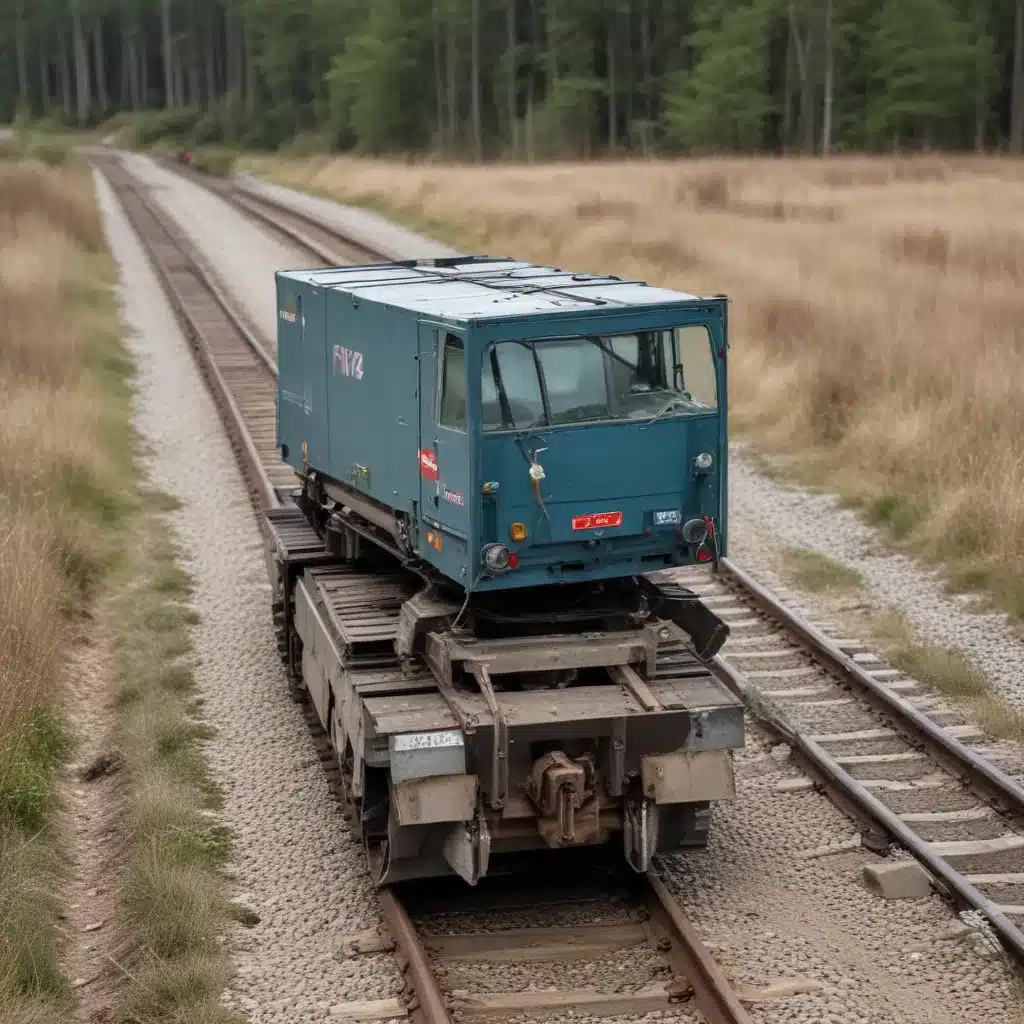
(500, 464)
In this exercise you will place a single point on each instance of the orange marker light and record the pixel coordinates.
(517, 531)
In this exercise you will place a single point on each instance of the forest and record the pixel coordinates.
(526, 79)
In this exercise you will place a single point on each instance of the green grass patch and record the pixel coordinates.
(31, 758)
(815, 572)
(176, 899)
(31, 980)
(949, 672)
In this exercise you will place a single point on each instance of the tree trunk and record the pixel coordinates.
(645, 55)
(44, 76)
(234, 75)
(438, 76)
(513, 76)
(143, 70)
(1017, 104)
(478, 141)
(192, 76)
(179, 79)
(211, 64)
(826, 126)
(124, 91)
(552, 50)
(806, 86)
(453, 105)
(168, 55)
(980, 93)
(248, 73)
(531, 82)
(101, 65)
(787, 96)
(64, 71)
(82, 89)
(612, 112)
(22, 57)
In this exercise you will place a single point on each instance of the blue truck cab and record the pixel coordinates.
(521, 425)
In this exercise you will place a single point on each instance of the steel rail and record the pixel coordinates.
(711, 989)
(421, 975)
(263, 208)
(257, 206)
(849, 794)
(122, 184)
(1003, 791)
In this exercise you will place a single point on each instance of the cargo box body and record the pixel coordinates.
(492, 402)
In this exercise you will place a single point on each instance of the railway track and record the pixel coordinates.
(890, 754)
(900, 764)
(675, 968)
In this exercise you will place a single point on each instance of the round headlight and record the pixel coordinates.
(695, 531)
(703, 461)
(495, 556)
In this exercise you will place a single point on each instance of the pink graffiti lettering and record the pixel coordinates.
(349, 361)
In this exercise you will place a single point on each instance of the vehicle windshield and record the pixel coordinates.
(562, 381)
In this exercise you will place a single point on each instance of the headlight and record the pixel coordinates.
(695, 531)
(495, 556)
(703, 461)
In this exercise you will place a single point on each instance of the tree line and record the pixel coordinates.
(528, 79)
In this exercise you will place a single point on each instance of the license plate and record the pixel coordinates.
(670, 517)
(596, 520)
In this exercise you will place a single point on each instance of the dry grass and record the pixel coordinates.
(61, 493)
(950, 672)
(80, 539)
(877, 324)
(811, 570)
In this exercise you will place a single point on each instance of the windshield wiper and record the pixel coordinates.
(599, 342)
(680, 400)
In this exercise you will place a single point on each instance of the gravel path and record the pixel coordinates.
(296, 866)
(772, 913)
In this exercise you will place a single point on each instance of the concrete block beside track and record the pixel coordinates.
(898, 880)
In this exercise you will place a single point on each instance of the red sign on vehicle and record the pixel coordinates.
(428, 464)
(596, 520)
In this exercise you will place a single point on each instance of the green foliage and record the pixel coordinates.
(563, 122)
(723, 102)
(923, 57)
(551, 78)
(377, 96)
(30, 760)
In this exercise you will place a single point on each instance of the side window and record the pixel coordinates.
(698, 364)
(453, 384)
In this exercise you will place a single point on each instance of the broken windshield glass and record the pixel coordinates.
(563, 381)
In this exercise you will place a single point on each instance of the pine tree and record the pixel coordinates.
(923, 58)
(723, 102)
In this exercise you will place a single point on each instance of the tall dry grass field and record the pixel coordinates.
(59, 486)
(877, 322)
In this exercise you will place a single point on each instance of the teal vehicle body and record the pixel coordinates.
(522, 425)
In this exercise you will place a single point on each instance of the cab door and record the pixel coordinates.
(444, 457)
